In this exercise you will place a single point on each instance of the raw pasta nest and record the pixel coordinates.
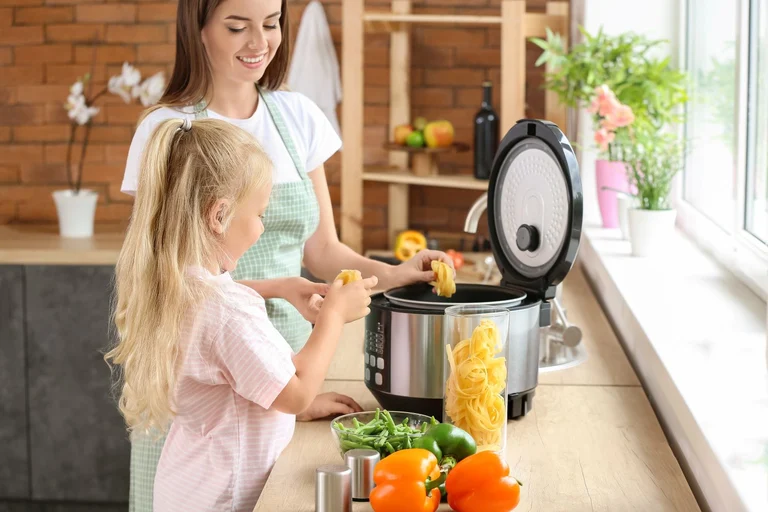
(444, 284)
(347, 276)
(473, 396)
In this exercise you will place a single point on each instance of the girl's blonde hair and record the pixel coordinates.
(187, 168)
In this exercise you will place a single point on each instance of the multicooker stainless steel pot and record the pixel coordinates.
(534, 204)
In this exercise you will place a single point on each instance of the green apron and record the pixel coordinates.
(291, 218)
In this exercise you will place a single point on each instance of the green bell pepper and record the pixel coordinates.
(448, 443)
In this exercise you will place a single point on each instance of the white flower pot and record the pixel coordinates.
(625, 203)
(76, 212)
(651, 231)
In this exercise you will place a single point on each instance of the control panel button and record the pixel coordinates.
(379, 379)
(368, 374)
(380, 363)
(373, 360)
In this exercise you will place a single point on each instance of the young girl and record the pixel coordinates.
(197, 350)
(230, 64)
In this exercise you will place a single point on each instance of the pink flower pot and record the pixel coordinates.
(614, 176)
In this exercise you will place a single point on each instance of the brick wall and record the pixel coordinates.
(45, 46)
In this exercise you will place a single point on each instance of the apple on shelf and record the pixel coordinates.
(424, 139)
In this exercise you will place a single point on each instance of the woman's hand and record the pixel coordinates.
(306, 296)
(418, 269)
(329, 404)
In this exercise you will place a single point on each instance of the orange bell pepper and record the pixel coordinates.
(481, 483)
(402, 483)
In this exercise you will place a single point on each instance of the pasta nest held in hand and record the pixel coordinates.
(473, 395)
(348, 276)
(444, 284)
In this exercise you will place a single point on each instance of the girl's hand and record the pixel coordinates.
(305, 296)
(329, 404)
(349, 301)
(418, 269)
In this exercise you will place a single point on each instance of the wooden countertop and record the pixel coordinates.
(590, 442)
(40, 244)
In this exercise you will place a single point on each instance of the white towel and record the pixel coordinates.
(314, 69)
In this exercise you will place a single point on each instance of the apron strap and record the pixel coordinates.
(282, 129)
(201, 110)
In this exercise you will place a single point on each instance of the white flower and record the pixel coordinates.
(123, 84)
(151, 90)
(80, 112)
(131, 76)
(116, 85)
(74, 101)
(77, 88)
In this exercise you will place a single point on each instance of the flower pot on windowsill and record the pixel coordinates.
(651, 231)
(625, 203)
(76, 212)
(611, 176)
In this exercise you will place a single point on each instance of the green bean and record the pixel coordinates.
(381, 433)
(390, 423)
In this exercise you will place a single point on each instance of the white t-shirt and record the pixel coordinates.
(313, 135)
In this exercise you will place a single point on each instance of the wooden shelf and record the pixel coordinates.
(404, 170)
(391, 22)
(389, 175)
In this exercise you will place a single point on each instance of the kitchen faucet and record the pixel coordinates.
(473, 216)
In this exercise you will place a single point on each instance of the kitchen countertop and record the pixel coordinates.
(590, 442)
(40, 244)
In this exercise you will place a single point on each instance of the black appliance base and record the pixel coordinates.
(518, 404)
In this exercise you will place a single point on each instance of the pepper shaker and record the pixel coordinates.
(362, 463)
(333, 488)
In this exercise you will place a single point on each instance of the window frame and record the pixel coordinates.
(741, 252)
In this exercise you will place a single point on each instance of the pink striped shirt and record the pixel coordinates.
(224, 439)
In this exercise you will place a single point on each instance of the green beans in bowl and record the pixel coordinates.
(380, 430)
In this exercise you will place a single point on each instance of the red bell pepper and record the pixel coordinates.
(407, 481)
(481, 483)
(457, 257)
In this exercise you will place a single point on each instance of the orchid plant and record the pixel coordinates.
(81, 110)
(611, 118)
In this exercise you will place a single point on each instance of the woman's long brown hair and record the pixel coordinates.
(191, 78)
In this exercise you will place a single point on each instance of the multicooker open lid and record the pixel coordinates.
(535, 207)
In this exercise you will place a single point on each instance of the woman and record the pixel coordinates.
(231, 60)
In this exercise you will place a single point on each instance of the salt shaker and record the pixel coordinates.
(333, 488)
(362, 462)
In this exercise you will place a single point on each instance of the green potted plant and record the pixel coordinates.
(628, 71)
(653, 161)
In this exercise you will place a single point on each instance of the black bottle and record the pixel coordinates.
(486, 135)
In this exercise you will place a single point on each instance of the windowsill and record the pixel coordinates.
(697, 339)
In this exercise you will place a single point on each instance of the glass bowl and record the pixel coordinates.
(368, 429)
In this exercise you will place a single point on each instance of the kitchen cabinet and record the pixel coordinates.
(80, 448)
(63, 444)
(14, 460)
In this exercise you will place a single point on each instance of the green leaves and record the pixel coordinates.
(630, 64)
(653, 160)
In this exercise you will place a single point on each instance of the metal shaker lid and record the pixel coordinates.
(333, 488)
(362, 462)
(535, 207)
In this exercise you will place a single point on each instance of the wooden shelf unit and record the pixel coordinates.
(517, 26)
(394, 175)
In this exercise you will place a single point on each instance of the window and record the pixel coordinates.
(723, 200)
(708, 181)
(757, 141)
